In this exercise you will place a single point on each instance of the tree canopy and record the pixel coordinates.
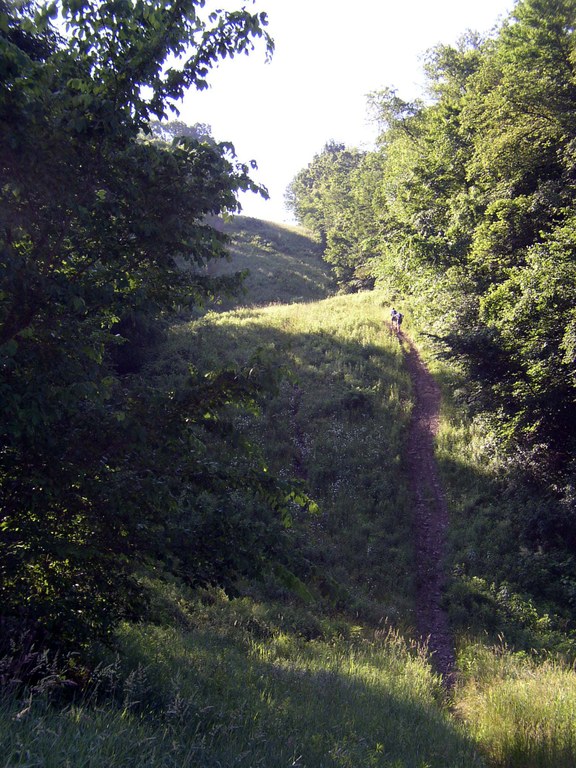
(103, 233)
(472, 200)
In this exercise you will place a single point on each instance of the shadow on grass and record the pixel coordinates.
(510, 560)
(298, 707)
(337, 424)
(204, 699)
(510, 571)
(510, 580)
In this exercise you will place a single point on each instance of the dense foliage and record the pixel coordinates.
(103, 234)
(469, 201)
(472, 194)
(325, 199)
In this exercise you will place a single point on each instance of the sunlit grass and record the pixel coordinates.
(337, 423)
(284, 263)
(503, 583)
(523, 713)
(312, 668)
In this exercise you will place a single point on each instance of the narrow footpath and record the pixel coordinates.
(430, 514)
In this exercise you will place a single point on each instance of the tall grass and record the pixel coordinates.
(241, 685)
(336, 424)
(522, 712)
(311, 668)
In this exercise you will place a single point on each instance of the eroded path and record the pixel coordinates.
(430, 514)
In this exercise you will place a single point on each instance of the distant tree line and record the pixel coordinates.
(467, 209)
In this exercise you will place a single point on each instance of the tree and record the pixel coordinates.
(469, 198)
(520, 113)
(470, 201)
(173, 130)
(97, 226)
(305, 193)
(321, 197)
(479, 189)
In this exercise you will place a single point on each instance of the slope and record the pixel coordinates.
(283, 263)
(316, 664)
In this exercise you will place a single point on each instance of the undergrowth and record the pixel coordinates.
(504, 584)
(510, 611)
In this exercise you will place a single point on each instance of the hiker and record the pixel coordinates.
(397, 318)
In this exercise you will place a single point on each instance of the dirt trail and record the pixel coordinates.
(430, 514)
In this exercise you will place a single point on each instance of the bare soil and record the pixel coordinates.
(430, 514)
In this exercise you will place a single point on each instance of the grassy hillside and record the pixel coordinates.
(315, 664)
(284, 263)
(336, 424)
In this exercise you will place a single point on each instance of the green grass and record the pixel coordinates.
(517, 699)
(337, 424)
(313, 665)
(284, 263)
(503, 584)
(240, 685)
(240, 682)
(522, 712)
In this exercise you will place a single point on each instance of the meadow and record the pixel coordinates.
(316, 665)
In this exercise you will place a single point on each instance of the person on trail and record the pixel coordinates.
(396, 320)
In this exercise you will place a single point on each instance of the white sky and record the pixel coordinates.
(329, 55)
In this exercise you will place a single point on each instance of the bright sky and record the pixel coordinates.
(329, 55)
